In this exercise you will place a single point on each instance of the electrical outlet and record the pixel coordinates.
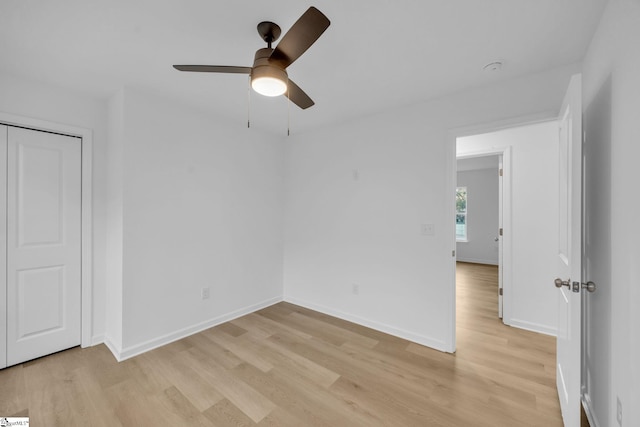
(205, 293)
(355, 288)
(619, 413)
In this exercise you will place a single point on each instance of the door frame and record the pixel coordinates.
(504, 215)
(450, 210)
(86, 280)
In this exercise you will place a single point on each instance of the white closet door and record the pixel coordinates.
(43, 243)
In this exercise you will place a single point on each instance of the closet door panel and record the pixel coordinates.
(43, 243)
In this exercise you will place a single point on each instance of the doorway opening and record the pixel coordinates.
(526, 231)
(479, 213)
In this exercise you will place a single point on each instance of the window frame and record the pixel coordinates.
(464, 238)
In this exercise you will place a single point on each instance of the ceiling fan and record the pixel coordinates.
(268, 73)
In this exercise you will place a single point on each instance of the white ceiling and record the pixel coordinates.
(376, 55)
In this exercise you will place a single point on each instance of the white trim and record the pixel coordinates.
(450, 229)
(87, 238)
(87, 204)
(134, 350)
(387, 329)
(505, 152)
(477, 260)
(115, 349)
(588, 410)
(97, 339)
(534, 327)
(509, 123)
(3, 248)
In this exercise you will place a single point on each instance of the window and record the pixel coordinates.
(461, 214)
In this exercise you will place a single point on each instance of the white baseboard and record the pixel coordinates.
(387, 329)
(533, 327)
(115, 349)
(476, 260)
(134, 350)
(97, 339)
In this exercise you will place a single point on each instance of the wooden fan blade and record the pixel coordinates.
(300, 37)
(298, 96)
(214, 69)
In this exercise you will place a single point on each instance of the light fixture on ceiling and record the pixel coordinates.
(268, 75)
(269, 86)
(268, 79)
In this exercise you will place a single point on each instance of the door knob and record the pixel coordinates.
(560, 283)
(589, 286)
(496, 239)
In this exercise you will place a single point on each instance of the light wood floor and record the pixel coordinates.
(289, 366)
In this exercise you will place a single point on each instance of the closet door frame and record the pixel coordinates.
(86, 286)
(3, 246)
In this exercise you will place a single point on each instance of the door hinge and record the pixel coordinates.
(501, 231)
(500, 172)
(500, 292)
(453, 253)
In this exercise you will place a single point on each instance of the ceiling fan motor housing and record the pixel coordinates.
(268, 78)
(262, 67)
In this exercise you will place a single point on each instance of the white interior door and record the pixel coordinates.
(43, 244)
(569, 255)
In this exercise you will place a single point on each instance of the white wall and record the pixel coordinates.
(529, 294)
(341, 231)
(482, 216)
(201, 207)
(611, 86)
(34, 100)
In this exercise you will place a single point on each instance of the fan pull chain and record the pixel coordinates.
(249, 103)
(288, 112)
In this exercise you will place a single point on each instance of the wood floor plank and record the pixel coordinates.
(287, 365)
(261, 322)
(13, 392)
(180, 374)
(285, 398)
(327, 328)
(280, 417)
(225, 413)
(315, 329)
(178, 410)
(231, 329)
(286, 359)
(247, 399)
(244, 352)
